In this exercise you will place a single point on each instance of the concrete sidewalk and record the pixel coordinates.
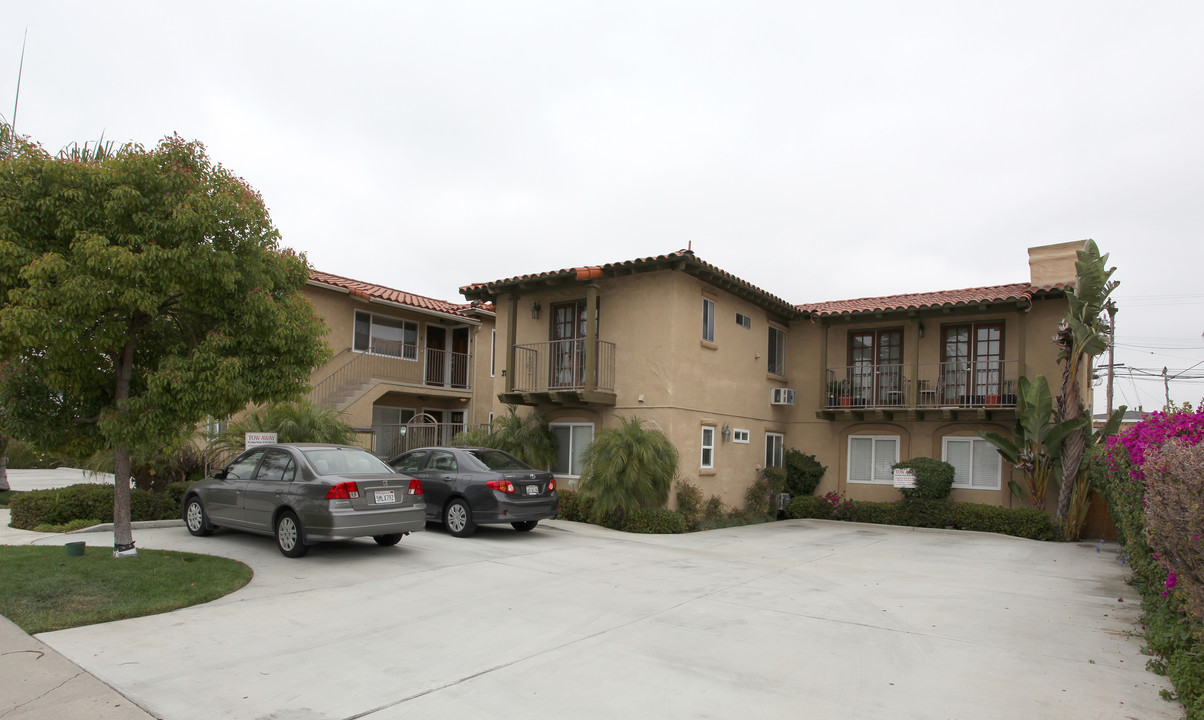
(39, 683)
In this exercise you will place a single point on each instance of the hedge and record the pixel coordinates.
(87, 501)
(654, 520)
(1018, 522)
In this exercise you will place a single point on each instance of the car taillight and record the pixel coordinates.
(551, 485)
(415, 486)
(500, 485)
(343, 491)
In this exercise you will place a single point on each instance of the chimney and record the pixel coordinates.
(1052, 264)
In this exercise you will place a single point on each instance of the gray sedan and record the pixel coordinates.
(467, 486)
(307, 493)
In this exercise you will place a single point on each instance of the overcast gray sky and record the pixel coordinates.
(821, 151)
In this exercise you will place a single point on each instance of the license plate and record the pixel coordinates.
(532, 489)
(385, 496)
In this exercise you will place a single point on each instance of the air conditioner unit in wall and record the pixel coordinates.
(782, 396)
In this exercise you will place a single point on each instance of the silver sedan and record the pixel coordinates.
(307, 493)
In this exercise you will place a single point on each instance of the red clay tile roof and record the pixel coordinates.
(683, 260)
(368, 291)
(990, 295)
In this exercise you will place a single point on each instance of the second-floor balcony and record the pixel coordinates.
(942, 387)
(563, 371)
(393, 363)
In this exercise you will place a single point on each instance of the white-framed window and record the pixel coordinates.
(492, 352)
(571, 441)
(775, 444)
(870, 458)
(976, 462)
(741, 436)
(708, 320)
(743, 321)
(382, 335)
(777, 351)
(708, 447)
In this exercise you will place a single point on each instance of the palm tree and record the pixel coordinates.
(525, 437)
(628, 467)
(301, 421)
(1082, 335)
(1036, 440)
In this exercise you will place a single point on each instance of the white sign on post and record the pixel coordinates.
(905, 478)
(257, 439)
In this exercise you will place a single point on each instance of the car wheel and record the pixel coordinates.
(525, 525)
(387, 540)
(457, 518)
(289, 535)
(196, 519)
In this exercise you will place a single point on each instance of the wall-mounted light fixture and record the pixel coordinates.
(921, 328)
(726, 432)
(535, 310)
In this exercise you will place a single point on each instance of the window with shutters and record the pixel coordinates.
(871, 457)
(976, 463)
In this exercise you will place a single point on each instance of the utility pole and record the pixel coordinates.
(1111, 352)
(1166, 385)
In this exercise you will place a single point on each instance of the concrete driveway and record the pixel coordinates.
(796, 619)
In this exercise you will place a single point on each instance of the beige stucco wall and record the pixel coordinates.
(337, 310)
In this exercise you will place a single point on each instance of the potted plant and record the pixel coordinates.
(839, 390)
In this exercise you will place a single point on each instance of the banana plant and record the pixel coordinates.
(1034, 446)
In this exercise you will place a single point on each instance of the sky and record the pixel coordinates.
(820, 151)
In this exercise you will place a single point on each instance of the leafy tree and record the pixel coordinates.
(1036, 440)
(628, 467)
(1082, 335)
(295, 422)
(4, 462)
(142, 290)
(526, 437)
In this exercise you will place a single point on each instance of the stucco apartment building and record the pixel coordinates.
(733, 375)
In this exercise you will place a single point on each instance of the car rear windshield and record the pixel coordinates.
(498, 460)
(345, 461)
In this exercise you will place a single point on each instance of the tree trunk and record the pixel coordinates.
(4, 473)
(123, 530)
(1074, 444)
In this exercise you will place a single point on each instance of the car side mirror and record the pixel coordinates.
(220, 474)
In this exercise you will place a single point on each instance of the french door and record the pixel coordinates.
(972, 363)
(568, 345)
(876, 366)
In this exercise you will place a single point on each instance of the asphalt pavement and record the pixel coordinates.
(794, 619)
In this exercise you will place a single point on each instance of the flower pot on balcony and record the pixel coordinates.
(991, 401)
(846, 401)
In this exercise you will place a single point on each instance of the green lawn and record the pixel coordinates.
(42, 589)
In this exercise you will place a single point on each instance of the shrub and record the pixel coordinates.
(67, 527)
(1174, 477)
(1028, 523)
(689, 503)
(22, 455)
(758, 499)
(174, 492)
(879, 513)
(85, 502)
(714, 509)
(809, 506)
(575, 506)
(654, 520)
(803, 473)
(628, 467)
(934, 478)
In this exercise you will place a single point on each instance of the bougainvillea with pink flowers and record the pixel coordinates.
(1153, 477)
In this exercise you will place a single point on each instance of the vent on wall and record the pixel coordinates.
(782, 396)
